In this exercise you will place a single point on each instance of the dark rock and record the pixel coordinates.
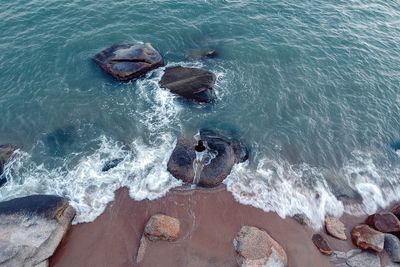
(396, 211)
(255, 247)
(111, 164)
(211, 54)
(190, 83)
(6, 152)
(301, 218)
(385, 222)
(129, 61)
(31, 229)
(180, 164)
(3, 180)
(321, 244)
(365, 237)
(364, 259)
(392, 247)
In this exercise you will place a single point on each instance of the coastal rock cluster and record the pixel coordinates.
(31, 229)
(6, 152)
(126, 62)
(378, 234)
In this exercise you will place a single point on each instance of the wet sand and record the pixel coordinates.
(209, 221)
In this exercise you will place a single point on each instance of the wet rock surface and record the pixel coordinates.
(111, 164)
(190, 83)
(335, 228)
(385, 222)
(365, 237)
(323, 246)
(392, 247)
(255, 247)
(129, 61)
(31, 229)
(162, 227)
(364, 259)
(228, 152)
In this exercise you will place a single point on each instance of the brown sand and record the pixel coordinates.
(209, 220)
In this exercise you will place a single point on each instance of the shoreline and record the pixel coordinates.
(209, 219)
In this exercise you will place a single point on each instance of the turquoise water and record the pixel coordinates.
(312, 87)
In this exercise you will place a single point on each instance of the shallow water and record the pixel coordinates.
(312, 87)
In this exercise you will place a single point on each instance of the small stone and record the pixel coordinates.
(256, 248)
(365, 237)
(392, 247)
(142, 249)
(321, 244)
(301, 218)
(385, 222)
(162, 227)
(364, 259)
(335, 228)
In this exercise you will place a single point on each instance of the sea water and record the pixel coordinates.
(312, 87)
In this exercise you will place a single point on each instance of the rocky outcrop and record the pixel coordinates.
(162, 227)
(190, 83)
(227, 152)
(385, 222)
(6, 152)
(396, 211)
(335, 228)
(129, 61)
(256, 248)
(365, 237)
(31, 229)
(392, 247)
(323, 246)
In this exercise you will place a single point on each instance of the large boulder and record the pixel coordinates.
(31, 229)
(335, 228)
(162, 227)
(323, 246)
(6, 152)
(365, 237)
(129, 61)
(392, 247)
(228, 152)
(190, 83)
(256, 248)
(385, 222)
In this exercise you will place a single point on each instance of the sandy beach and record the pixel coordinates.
(209, 219)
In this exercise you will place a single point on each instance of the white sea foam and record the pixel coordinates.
(288, 190)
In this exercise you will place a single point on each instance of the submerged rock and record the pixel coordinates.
(31, 229)
(111, 164)
(58, 140)
(227, 152)
(6, 152)
(365, 237)
(392, 247)
(129, 61)
(255, 247)
(190, 83)
(385, 222)
(335, 227)
(320, 242)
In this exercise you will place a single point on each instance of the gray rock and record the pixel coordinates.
(129, 61)
(256, 248)
(392, 247)
(335, 227)
(227, 152)
(190, 83)
(31, 229)
(364, 259)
